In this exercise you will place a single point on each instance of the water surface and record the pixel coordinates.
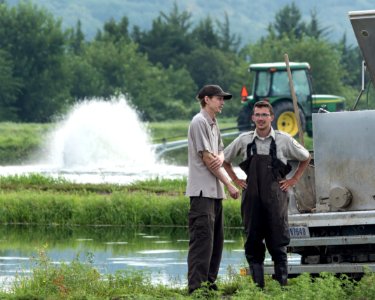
(160, 251)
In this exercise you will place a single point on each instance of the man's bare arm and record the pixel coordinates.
(229, 169)
(211, 161)
(214, 161)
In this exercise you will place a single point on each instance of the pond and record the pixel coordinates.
(160, 251)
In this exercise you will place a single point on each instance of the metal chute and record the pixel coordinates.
(363, 23)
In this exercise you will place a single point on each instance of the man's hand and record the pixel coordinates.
(285, 184)
(241, 183)
(233, 191)
(215, 162)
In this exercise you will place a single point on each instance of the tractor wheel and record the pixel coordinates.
(244, 122)
(285, 118)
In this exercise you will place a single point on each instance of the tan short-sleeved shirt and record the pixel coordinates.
(203, 135)
(287, 147)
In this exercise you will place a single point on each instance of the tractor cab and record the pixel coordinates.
(271, 83)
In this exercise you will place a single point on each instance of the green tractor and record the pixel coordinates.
(271, 84)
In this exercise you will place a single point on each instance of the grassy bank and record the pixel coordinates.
(19, 141)
(79, 280)
(36, 199)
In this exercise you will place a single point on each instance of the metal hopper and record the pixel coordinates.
(363, 23)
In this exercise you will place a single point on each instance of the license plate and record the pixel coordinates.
(297, 232)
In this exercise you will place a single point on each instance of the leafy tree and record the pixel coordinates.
(204, 34)
(209, 65)
(168, 39)
(76, 38)
(208, 53)
(213, 66)
(120, 69)
(158, 93)
(314, 29)
(109, 60)
(9, 89)
(181, 87)
(113, 31)
(36, 44)
(351, 60)
(287, 22)
(221, 37)
(112, 64)
(325, 64)
(86, 79)
(228, 41)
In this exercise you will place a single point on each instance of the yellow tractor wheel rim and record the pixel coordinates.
(287, 122)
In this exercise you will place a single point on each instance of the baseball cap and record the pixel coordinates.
(213, 90)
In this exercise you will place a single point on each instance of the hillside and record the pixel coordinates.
(248, 19)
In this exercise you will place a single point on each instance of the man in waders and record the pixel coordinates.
(205, 189)
(264, 207)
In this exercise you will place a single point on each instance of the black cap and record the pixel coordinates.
(213, 90)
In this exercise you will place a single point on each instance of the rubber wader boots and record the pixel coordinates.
(257, 273)
(281, 273)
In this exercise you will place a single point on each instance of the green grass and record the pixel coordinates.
(40, 182)
(177, 130)
(37, 200)
(19, 141)
(168, 131)
(80, 280)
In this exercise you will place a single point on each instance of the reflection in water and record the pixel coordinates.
(160, 251)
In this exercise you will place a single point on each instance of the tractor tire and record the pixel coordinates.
(285, 119)
(244, 122)
(309, 133)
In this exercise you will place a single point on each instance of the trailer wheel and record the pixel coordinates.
(285, 118)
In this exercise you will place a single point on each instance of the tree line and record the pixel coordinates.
(45, 69)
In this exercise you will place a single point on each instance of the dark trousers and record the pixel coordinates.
(268, 226)
(265, 213)
(206, 232)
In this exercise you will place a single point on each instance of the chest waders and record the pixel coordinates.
(264, 211)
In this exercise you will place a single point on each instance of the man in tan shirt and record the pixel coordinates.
(205, 189)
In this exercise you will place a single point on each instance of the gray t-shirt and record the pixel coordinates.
(203, 135)
(287, 147)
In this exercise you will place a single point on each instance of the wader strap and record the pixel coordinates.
(245, 165)
(251, 147)
(273, 154)
(278, 167)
